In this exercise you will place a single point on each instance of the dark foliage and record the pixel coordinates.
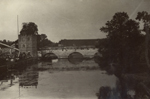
(43, 41)
(29, 29)
(121, 50)
(145, 17)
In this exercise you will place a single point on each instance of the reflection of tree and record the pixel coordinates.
(104, 92)
(3, 73)
(29, 77)
(7, 75)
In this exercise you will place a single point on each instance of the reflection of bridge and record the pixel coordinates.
(64, 52)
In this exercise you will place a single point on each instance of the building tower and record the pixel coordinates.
(27, 43)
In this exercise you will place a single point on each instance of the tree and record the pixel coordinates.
(120, 52)
(123, 39)
(43, 37)
(145, 17)
(43, 41)
(29, 29)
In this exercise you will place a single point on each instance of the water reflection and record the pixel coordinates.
(61, 79)
(65, 65)
(29, 77)
(106, 92)
(3, 71)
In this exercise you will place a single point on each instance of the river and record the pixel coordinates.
(59, 80)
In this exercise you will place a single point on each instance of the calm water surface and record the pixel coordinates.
(59, 80)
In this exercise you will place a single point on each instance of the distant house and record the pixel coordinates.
(5, 47)
(79, 42)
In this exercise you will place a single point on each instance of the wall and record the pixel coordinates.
(28, 43)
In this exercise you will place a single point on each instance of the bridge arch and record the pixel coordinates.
(49, 56)
(75, 57)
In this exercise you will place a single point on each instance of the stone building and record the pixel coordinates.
(28, 44)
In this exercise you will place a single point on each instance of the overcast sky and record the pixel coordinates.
(64, 19)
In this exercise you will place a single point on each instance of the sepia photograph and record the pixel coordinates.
(74, 49)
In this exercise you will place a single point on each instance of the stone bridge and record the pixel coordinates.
(64, 53)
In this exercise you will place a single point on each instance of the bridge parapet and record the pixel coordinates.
(64, 53)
